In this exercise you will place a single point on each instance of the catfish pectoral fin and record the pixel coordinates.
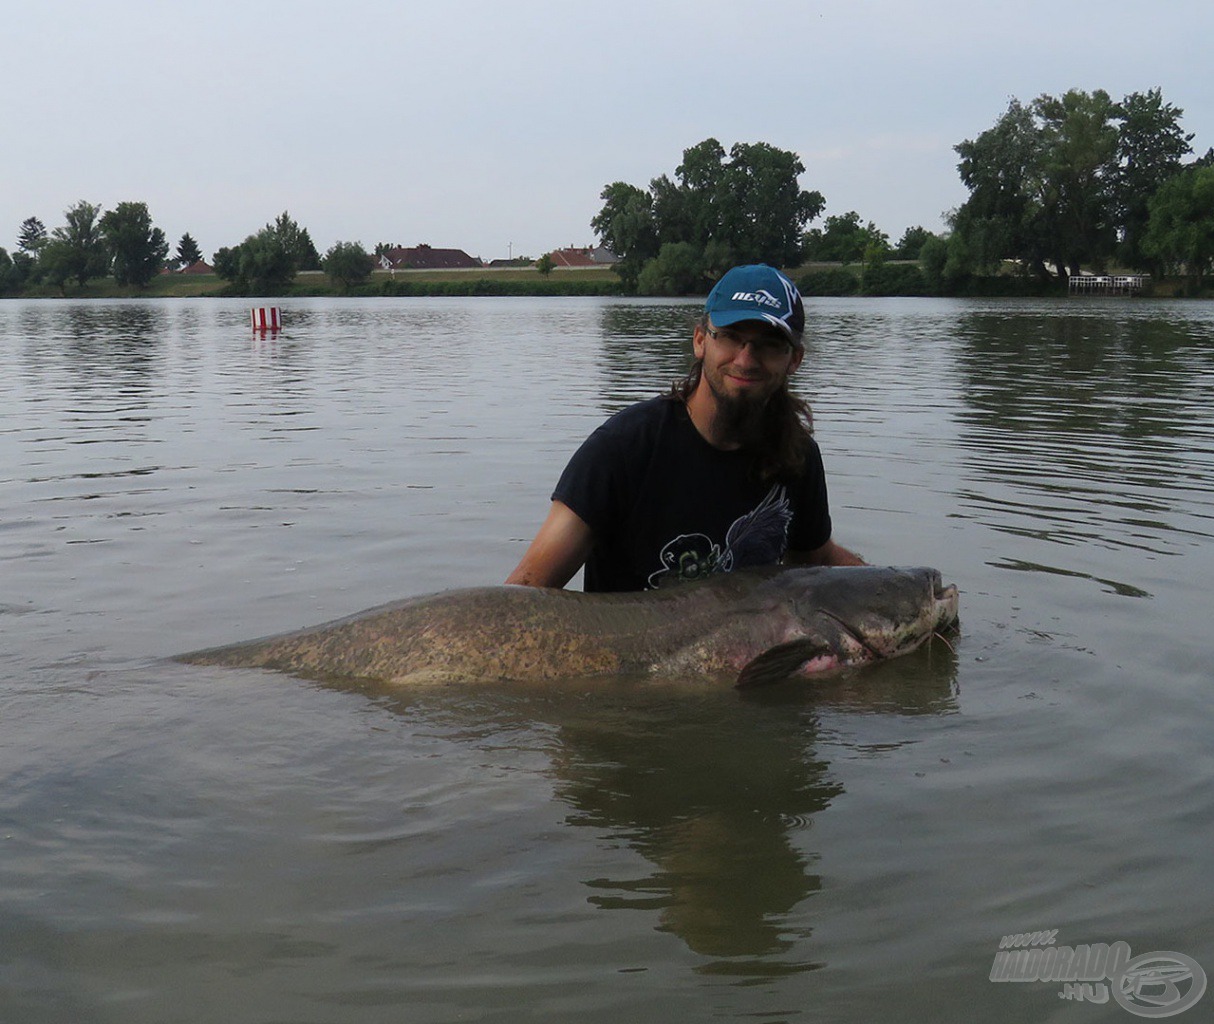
(779, 662)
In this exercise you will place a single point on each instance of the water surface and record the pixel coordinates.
(196, 845)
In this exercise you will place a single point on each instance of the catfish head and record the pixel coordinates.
(838, 617)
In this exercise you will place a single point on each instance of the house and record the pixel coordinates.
(423, 257)
(590, 256)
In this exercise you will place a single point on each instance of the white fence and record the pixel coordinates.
(1108, 284)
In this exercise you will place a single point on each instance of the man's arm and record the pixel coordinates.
(829, 553)
(559, 550)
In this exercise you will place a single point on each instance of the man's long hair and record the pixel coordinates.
(784, 435)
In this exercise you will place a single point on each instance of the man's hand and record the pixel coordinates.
(829, 553)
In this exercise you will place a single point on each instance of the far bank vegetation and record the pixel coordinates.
(1059, 186)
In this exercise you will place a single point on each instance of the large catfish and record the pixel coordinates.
(753, 626)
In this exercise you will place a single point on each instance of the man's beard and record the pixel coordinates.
(741, 417)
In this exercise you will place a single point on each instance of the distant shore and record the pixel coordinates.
(815, 280)
(475, 281)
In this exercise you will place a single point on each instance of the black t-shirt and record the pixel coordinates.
(666, 506)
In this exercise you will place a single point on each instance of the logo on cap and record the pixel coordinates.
(763, 297)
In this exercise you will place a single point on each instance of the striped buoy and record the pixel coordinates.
(266, 319)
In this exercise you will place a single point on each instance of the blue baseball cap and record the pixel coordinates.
(757, 292)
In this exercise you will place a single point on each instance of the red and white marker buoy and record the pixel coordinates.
(266, 318)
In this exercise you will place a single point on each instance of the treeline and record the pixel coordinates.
(123, 244)
(1060, 184)
(1055, 186)
(1081, 181)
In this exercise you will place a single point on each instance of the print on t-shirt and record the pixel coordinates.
(760, 537)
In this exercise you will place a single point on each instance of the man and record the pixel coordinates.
(720, 474)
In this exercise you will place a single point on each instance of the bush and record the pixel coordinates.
(347, 265)
(678, 269)
(835, 281)
(894, 279)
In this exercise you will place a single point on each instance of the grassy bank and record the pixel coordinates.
(482, 281)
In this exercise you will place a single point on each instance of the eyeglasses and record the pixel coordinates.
(765, 347)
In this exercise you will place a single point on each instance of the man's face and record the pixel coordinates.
(745, 363)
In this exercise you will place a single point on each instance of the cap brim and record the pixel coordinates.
(741, 316)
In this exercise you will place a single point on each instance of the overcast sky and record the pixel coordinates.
(492, 126)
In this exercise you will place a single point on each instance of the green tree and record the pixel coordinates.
(1150, 147)
(347, 264)
(545, 264)
(1080, 169)
(226, 264)
(765, 210)
(57, 263)
(32, 236)
(678, 269)
(26, 268)
(84, 255)
(266, 264)
(625, 225)
(9, 275)
(933, 257)
(843, 239)
(742, 206)
(1002, 168)
(188, 252)
(1064, 181)
(692, 207)
(910, 245)
(137, 249)
(297, 242)
(1180, 231)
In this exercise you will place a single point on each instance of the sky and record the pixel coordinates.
(493, 126)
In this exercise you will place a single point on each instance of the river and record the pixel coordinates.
(186, 844)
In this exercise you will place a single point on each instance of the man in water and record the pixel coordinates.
(720, 474)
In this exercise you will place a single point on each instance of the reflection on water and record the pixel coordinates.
(642, 350)
(717, 799)
(1083, 428)
(183, 844)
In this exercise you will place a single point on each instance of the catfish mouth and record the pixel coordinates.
(945, 598)
(936, 612)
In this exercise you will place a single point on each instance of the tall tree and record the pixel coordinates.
(625, 225)
(1180, 231)
(32, 236)
(297, 242)
(188, 252)
(261, 265)
(10, 276)
(1150, 147)
(1080, 169)
(137, 249)
(742, 206)
(84, 255)
(1002, 169)
(690, 209)
(765, 209)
